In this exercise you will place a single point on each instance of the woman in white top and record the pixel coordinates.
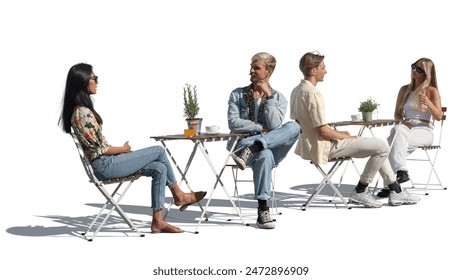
(418, 105)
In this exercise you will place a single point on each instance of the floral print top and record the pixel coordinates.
(89, 132)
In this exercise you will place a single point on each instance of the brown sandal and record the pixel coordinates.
(194, 198)
(167, 229)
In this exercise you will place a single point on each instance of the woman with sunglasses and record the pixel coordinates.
(108, 162)
(418, 105)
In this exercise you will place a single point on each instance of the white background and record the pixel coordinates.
(144, 52)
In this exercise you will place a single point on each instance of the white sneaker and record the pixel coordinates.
(401, 198)
(364, 198)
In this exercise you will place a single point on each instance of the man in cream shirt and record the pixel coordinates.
(319, 142)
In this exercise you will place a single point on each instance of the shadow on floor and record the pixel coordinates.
(219, 212)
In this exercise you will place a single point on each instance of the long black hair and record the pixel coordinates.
(77, 94)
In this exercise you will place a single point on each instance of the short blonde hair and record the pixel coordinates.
(270, 60)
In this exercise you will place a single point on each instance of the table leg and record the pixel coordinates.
(218, 181)
(182, 173)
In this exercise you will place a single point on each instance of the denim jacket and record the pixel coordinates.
(238, 115)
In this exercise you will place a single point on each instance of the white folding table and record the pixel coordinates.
(199, 143)
(369, 124)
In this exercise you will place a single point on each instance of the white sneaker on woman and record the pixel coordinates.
(401, 198)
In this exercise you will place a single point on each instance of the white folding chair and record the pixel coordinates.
(430, 155)
(327, 180)
(111, 201)
(235, 171)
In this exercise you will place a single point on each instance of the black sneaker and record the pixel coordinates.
(402, 176)
(383, 192)
(241, 156)
(264, 219)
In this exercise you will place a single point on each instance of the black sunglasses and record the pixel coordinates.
(418, 69)
(95, 78)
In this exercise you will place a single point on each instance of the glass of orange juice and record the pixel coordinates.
(189, 132)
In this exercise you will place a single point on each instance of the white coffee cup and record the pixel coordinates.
(212, 128)
(356, 117)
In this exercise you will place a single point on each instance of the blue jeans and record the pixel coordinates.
(150, 161)
(276, 144)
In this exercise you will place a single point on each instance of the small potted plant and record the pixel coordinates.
(191, 107)
(367, 107)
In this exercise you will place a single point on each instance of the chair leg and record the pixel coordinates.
(432, 162)
(274, 203)
(114, 206)
(327, 181)
(235, 171)
(274, 206)
(433, 170)
(317, 191)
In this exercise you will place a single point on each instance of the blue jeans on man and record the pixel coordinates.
(276, 144)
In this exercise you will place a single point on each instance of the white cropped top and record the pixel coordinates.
(415, 116)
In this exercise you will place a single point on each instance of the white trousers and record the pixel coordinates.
(407, 141)
(374, 148)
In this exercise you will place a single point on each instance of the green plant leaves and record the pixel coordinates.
(190, 101)
(368, 106)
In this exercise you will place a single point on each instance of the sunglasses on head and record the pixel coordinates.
(418, 69)
(316, 53)
(95, 78)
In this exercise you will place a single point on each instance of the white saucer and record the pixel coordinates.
(212, 133)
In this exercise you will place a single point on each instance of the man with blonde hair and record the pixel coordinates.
(259, 110)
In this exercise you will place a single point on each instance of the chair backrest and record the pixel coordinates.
(89, 169)
(85, 161)
(445, 109)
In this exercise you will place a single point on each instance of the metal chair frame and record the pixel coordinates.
(327, 180)
(235, 171)
(112, 202)
(430, 156)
